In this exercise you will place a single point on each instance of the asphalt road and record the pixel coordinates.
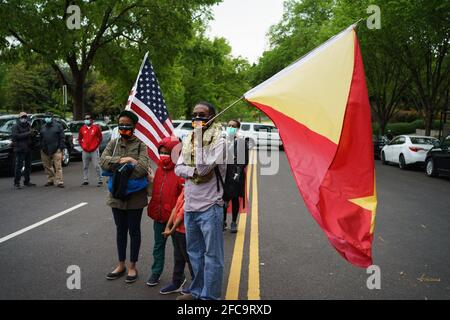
(283, 254)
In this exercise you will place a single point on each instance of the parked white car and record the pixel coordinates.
(405, 150)
(182, 128)
(262, 135)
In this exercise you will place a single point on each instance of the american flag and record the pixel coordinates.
(147, 102)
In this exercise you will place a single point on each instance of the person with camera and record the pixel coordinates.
(127, 151)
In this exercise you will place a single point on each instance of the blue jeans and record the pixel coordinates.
(204, 239)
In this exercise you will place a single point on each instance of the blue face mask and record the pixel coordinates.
(231, 131)
(87, 122)
(48, 120)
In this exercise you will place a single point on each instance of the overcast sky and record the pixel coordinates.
(245, 23)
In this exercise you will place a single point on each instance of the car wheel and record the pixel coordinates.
(430, 169)
(66, 157)
(383, 158)
(401, 162)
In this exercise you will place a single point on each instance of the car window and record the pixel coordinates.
(175, 123)
(75, 127)
(7, 124)
(401, 140)
(264, 128)
(187, 126)
(423, 140)
(245, 127)
(395, 141)
(446, 142)
(62, 123)
(37, 124)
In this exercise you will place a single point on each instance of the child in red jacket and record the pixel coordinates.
(166, 189)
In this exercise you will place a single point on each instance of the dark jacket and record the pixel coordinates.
(52, 138)
(237, 160)
(22, 137)
(109, 161)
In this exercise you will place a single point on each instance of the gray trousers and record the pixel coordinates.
(93, 157)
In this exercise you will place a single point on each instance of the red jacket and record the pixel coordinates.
(166, 188)
(90, 137)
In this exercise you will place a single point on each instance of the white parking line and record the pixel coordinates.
(37, 224)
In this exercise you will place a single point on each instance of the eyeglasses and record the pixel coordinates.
(124, 127)
(199, 115)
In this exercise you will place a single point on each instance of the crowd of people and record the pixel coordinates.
(189, 193)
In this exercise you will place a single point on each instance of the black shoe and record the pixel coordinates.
(114, 276)
(233, 228)
(99, 184)
(29, 184)
(224, 226)
(48, 184)
(85, 183)
(131, 279)
(17, 186)
(153, 280)
(61, 185)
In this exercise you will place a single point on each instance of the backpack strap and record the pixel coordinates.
(218, 178)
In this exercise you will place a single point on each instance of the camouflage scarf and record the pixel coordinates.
(210, 137)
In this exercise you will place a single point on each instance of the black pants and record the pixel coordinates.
(234, 210)
(22, 159)
(128, 221)
(181, 257)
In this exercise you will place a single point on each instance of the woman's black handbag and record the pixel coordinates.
(120, 178)
(120, 181)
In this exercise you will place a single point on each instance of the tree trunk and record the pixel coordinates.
(429, 116)
(78, 98)
(383, 125)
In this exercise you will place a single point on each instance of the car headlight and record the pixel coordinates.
(5, 143)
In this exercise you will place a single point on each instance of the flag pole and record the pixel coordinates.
(221, 112)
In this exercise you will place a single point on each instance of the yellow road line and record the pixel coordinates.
(234, 278)
(236, 263)
(253, 267)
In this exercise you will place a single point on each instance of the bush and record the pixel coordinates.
(406, 116)
(399, 128)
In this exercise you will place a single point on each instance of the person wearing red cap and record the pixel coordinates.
(166, 189)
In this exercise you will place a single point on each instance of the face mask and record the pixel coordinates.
(48, 120)
(231, 131)
(23, 120)
(126, 132)
(199, 122)
(87, 122)
(165, 160)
